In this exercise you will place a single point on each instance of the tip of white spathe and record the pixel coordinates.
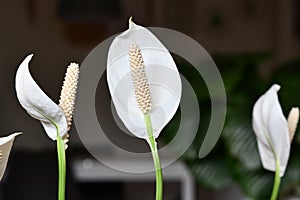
(29, 56)
(16, 134)
(11, 137)
(27, 59)
(276, 87)
(130, 21)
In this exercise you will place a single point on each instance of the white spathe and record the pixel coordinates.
(37, 103)
(162, 74)
(5, 147)
(271, 129)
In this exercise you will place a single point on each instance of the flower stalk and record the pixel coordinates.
(66, 102)
(143, 99)
(153, 146)
(277, 180)
(61, 155)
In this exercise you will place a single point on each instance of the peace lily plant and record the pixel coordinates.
(5, 147)
(145, 87)
(274, 134)
(56, 119)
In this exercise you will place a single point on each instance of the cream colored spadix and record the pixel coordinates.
(272, 131)
(161, 74)
(293, 119)
(5, 147)
(37, 103)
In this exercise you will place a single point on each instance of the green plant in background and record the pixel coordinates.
(56, 119)
(235, 158)
(145, 87)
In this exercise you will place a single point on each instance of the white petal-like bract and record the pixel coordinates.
(37, 103)
(5, 147)
(271, 129)
(162, 75)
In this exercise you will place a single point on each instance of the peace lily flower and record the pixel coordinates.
(37, 103)
(56, 119)
(162, 76)
(274, 133)
(5, 147)
(145, 86)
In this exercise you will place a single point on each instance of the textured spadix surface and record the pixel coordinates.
(162, 75)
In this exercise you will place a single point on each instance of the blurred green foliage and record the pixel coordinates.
(235, 158)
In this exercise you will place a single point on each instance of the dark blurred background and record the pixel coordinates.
(254, 43)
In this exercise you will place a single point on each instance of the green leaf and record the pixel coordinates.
(291, 180)
(212, 173)
(240, 140)
(257, 185)
(288, 78)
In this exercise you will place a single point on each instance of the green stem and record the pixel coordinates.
(276, 180)
(153, 147)
(61, 165)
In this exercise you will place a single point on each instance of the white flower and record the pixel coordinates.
(272, 130)
(37, 103)
(162, 76)
(5, 147)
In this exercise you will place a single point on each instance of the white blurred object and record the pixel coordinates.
(97, 172)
